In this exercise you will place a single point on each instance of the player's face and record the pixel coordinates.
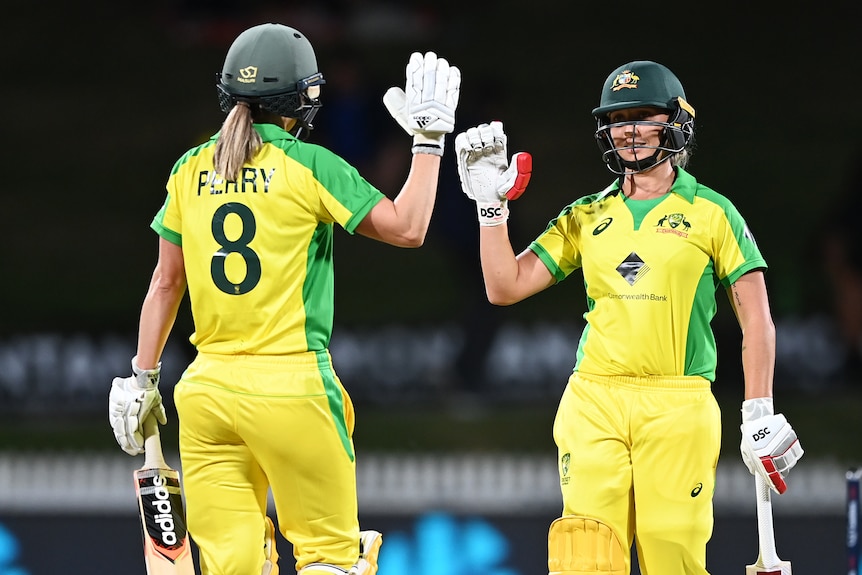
(637, 131)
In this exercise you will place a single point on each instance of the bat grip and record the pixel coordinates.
(152, 444)
(765, 529)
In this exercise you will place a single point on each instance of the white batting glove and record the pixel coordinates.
(769, 445)
(131, 400)
(426, 107)
(485, 173)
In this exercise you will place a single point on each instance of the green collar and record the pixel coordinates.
(684, 185)
(270, 132)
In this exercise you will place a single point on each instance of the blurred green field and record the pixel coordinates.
(829, 427)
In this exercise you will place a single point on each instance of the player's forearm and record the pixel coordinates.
(758, 358)
(415, 202)
(158, 313)
(499, 264)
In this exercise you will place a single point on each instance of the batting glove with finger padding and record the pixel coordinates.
(486, 175)
(130, 402)
(425, 108)
(769, 445)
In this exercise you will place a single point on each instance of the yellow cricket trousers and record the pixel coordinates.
(639, 454)
(251, 423)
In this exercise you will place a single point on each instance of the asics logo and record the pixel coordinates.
(602, 226)
(697, 489)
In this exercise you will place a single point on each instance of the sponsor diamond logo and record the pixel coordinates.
(633, 268)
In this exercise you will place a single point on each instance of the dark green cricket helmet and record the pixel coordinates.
(272, 66)
(639, 84)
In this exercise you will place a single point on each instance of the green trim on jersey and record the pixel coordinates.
(318, 291)
(651, 270)
(164, 232)
(258, 251)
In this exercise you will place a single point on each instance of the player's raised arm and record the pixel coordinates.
(425, 108)
(491, 181)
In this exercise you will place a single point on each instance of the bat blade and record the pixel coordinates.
(767, 562)
(167, 549)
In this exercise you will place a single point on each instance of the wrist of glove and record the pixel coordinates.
(425, 108)
(428, 144)
(131, 400)
(769, 446)
(492, 213)
(486, 175)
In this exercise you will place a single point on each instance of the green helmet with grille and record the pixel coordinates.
(272, 66)
(644, 84)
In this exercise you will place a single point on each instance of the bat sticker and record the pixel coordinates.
(162, 508)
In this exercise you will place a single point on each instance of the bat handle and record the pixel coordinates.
(152, 443)
(765, 528)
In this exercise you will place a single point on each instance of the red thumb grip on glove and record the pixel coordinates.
(774, 475)
(524, 164)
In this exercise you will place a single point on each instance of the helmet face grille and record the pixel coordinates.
(644, 84)
(676, 136)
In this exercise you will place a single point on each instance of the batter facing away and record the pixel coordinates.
(247, 228)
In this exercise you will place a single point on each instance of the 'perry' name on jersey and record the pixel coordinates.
(252, 180)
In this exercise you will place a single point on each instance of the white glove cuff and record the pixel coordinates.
(433, 149)
(429, 138)
(756, 408)
(492, 213)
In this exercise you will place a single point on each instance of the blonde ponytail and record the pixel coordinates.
(238, 142)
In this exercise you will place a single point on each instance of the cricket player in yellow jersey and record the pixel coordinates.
(638, 428)
(247, 228)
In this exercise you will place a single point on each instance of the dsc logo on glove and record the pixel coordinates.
(491, 212)
(760, 434)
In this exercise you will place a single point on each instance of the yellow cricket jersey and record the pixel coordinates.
(651, 270)
(258, 251)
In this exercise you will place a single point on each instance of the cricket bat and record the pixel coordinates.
(768, 562)
(167, 550)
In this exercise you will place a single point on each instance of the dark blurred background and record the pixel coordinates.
(100, 100)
